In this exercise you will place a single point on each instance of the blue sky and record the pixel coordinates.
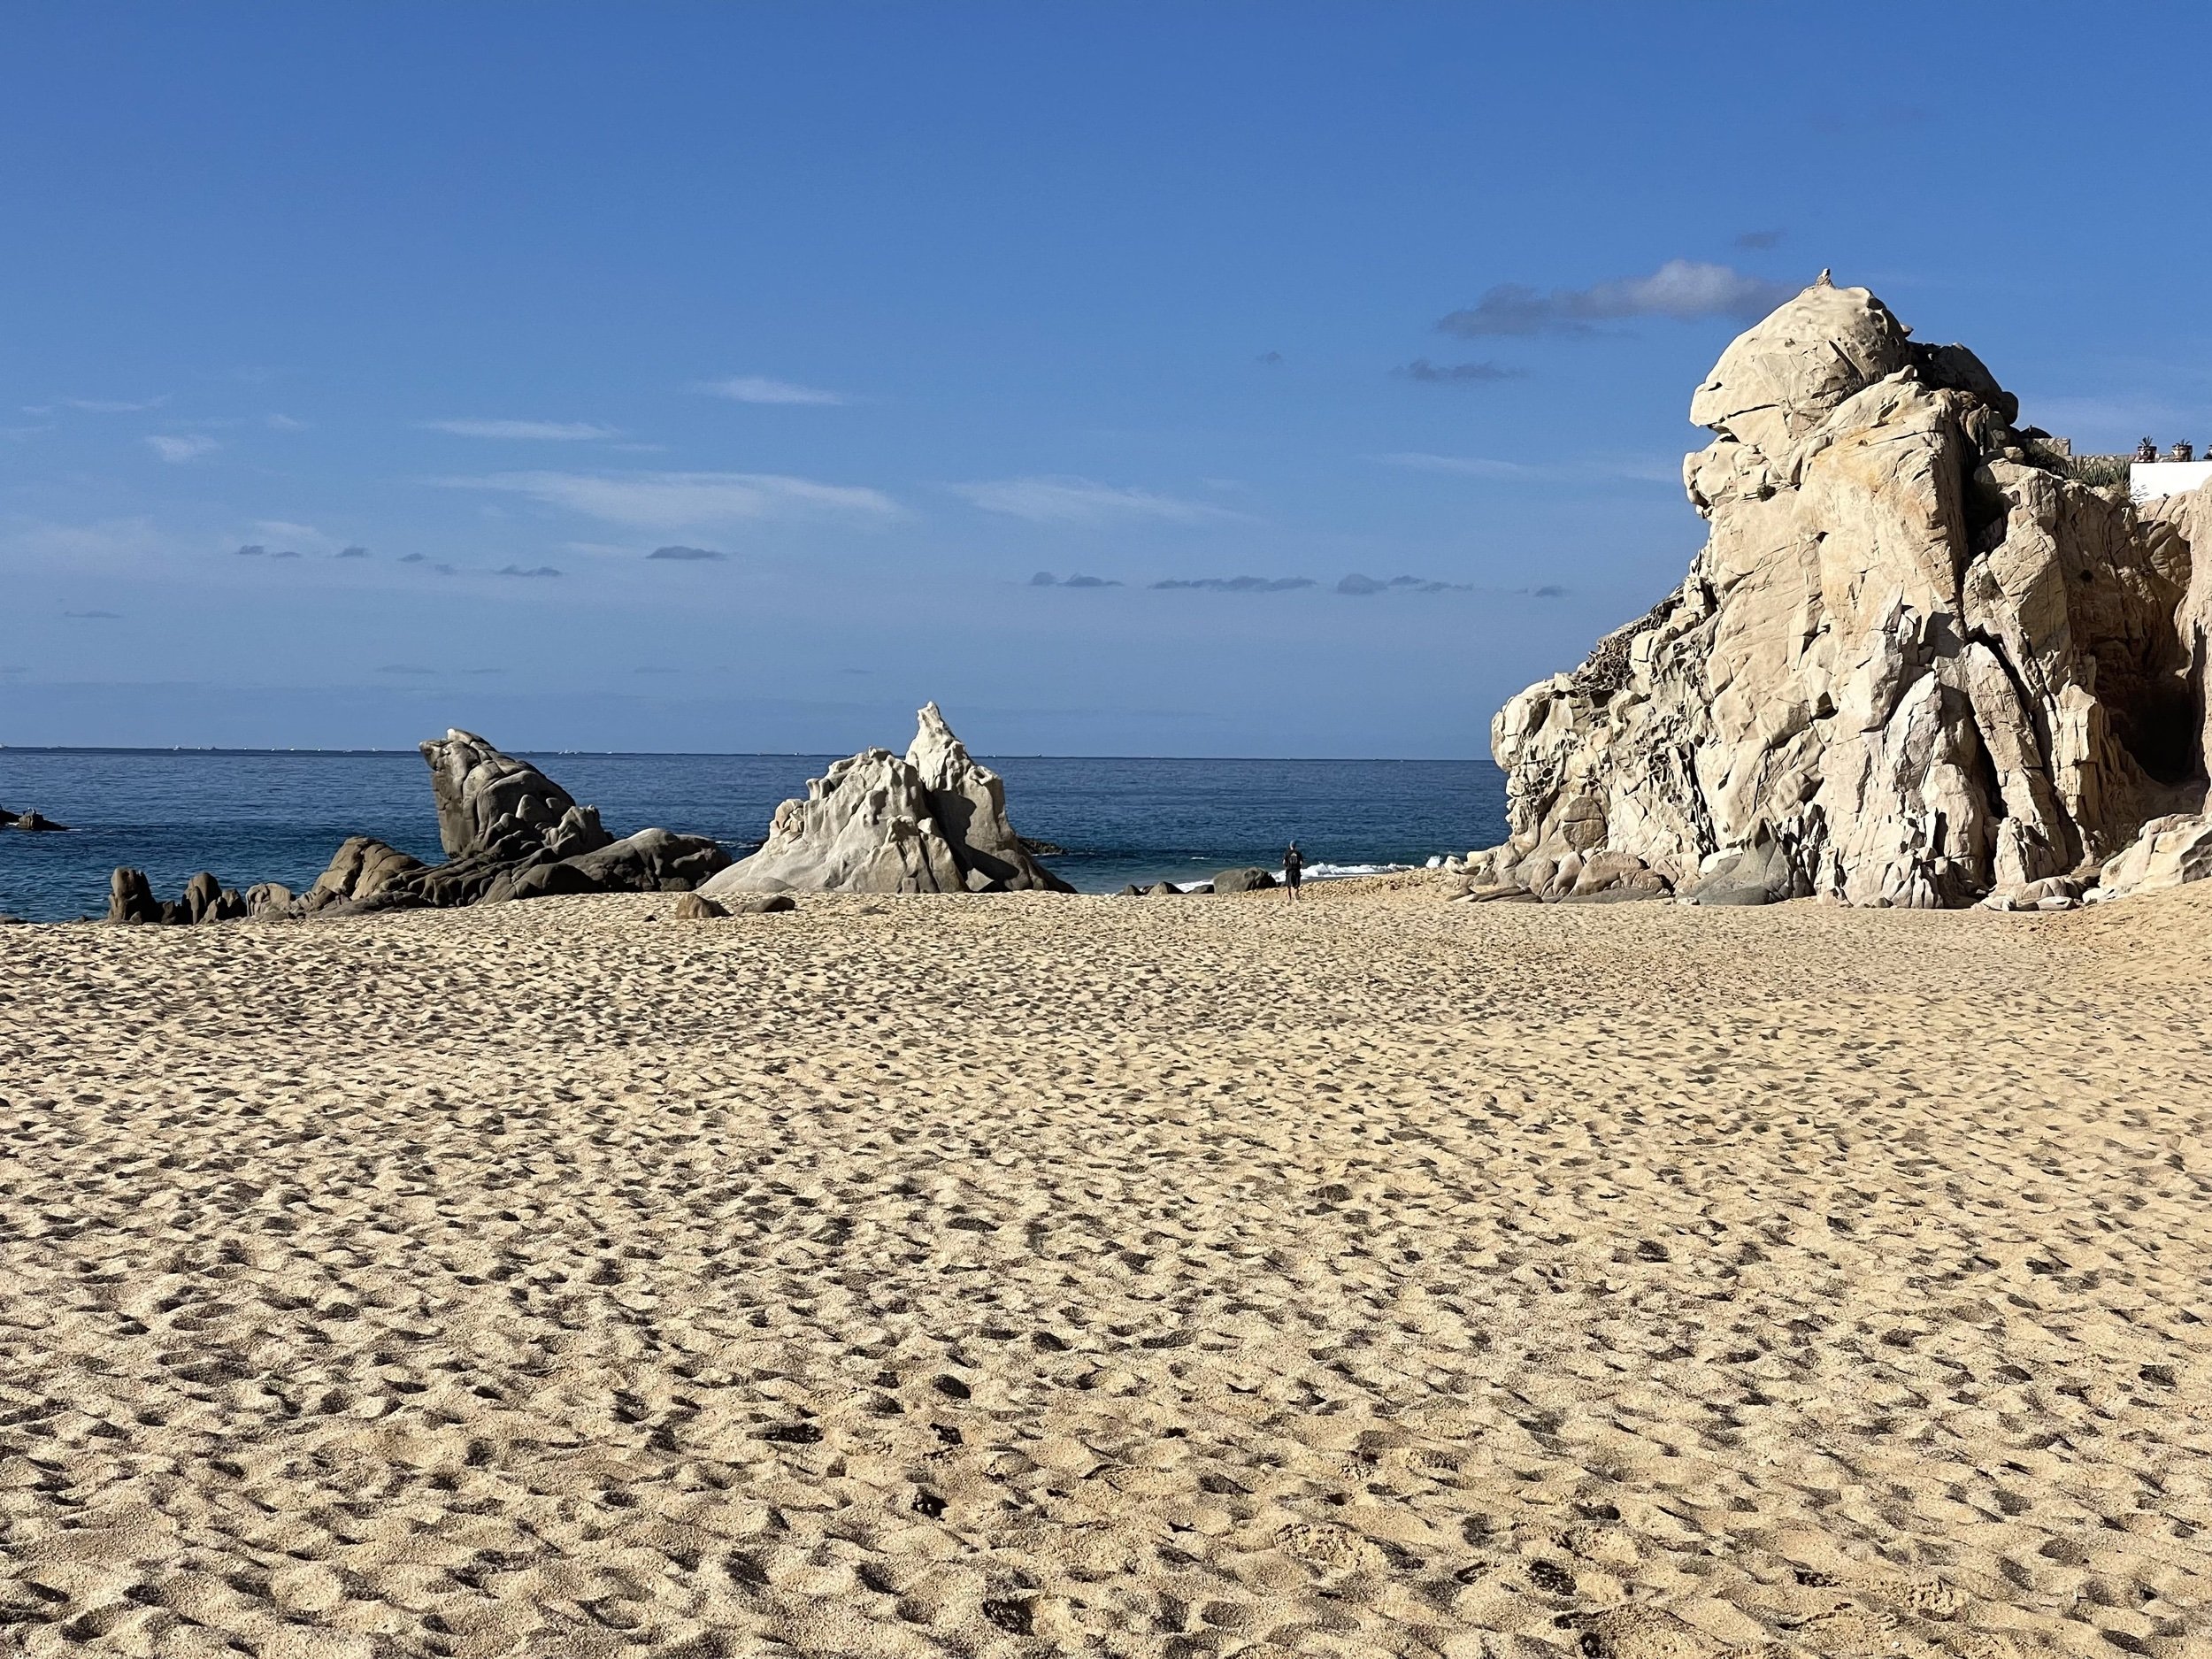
(892, 309)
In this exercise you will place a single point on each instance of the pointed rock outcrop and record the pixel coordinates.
(1914, 661)
(932, 821)
(968, 802)
(863, 827)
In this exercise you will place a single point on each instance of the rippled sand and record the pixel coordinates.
(1023, 1275)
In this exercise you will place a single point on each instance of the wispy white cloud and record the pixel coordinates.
(115, 406)
(675, 501)
(1681, 289)
(177, 450)
(547, 431)
(283, 422)
(1056, 499)
(758, 388)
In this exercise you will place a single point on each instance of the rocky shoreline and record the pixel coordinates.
(932, 821)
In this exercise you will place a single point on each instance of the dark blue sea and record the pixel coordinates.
(259, 816)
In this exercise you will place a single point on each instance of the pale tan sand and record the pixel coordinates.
(1178, 1277)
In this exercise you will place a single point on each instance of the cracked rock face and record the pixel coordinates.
(968, 802)
(1909, 665)
(484, 797)
(932, 821)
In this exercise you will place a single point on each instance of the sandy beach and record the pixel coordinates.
(1028, 1274)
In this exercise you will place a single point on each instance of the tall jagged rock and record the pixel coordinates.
(1913, 662)
(863, 827)
(968, 802)
(932, 822)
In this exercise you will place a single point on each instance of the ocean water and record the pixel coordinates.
(277, 816)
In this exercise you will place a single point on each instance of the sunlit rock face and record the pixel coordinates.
(1913, 662)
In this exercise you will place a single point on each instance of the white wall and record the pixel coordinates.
(2147, 479)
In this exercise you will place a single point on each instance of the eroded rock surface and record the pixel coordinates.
(485, 797)
(968, 802)
(932, 821)
(1914, 661)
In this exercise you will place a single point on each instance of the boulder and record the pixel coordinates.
(6, 817)
(38, 823)
(761, 904)
(652, 861)
(968, 802)
(269, 900)
(1909, 666)
(131, 901)
(2170, 851)
(1251, 878)
(931, 821)
(484, 797)
(202, 895)
(555, 879)
(1163, 890)
(362, 870)
(693, 907)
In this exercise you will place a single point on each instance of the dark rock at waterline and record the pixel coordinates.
(484, 797)
(33, 822)
(1249, 879)
(511, 832)
(131, 901)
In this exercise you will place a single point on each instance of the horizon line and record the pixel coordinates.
(713, 754)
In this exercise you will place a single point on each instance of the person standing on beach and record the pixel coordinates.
(1293, 868)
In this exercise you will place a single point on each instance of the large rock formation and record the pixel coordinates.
(1914, 661)
(933, 822)
(511, 832)
(968, 802)
(484, 797)
(863, 827)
